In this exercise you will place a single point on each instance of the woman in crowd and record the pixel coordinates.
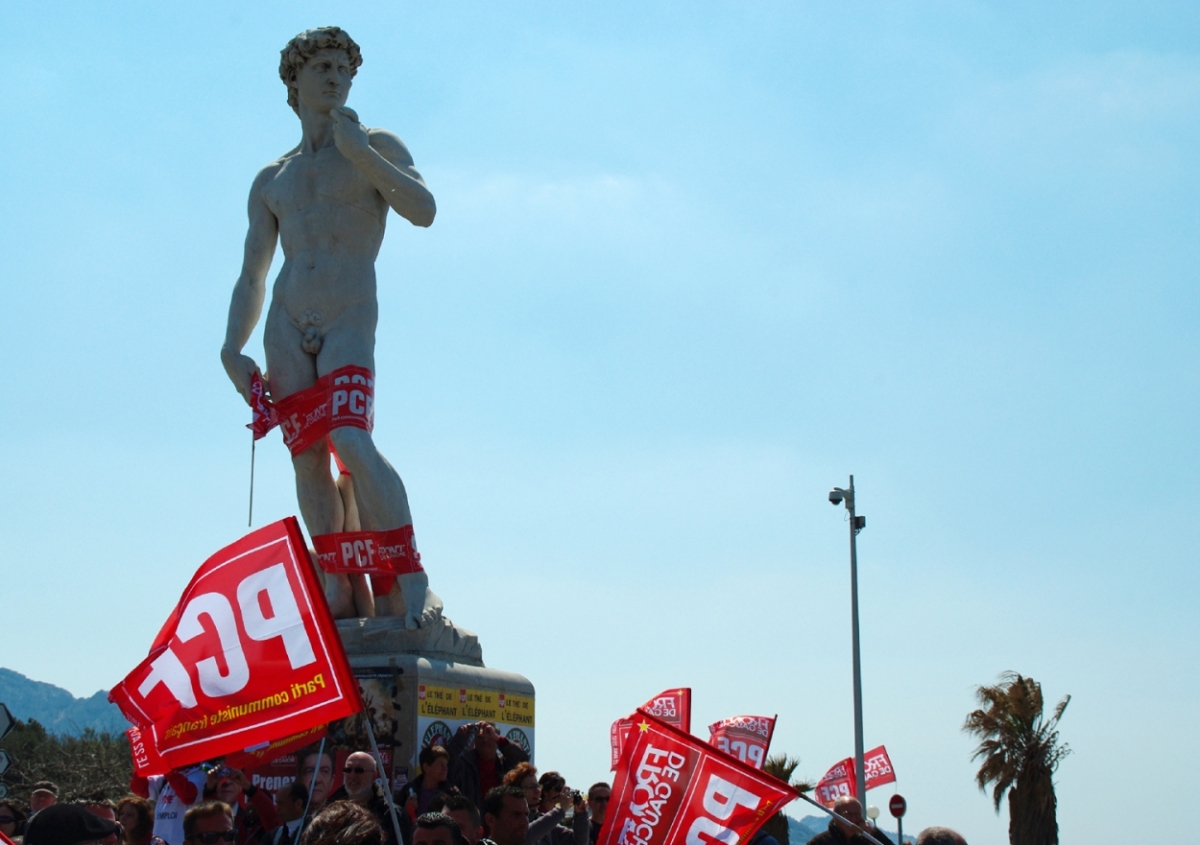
(136, 816)
(419, 793)
(12, 820)
(524, 776)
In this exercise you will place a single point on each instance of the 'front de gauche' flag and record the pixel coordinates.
(250, 655)
(673, 706)
(840, 779)
(746, 737)
(877, 767)
(673, 789)
(836, 783)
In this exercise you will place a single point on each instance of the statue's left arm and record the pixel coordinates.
(385, 161)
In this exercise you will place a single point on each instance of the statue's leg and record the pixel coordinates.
(383, 504)
(323, 513)
(379, 492)
(360, 585)
(289, 370)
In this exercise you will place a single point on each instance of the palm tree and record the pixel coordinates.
(1020, 752)
(782, 766)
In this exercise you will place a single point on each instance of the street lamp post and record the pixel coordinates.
(836, 496)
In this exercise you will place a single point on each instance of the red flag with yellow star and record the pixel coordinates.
(673, 706)
(673, 789)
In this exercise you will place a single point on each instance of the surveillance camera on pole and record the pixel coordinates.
(857, 523)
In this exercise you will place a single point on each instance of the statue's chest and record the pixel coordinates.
(307, 184)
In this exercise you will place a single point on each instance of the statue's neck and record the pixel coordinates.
(316, 130)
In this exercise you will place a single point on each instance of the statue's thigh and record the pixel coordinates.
(349, 342)
(289, 368)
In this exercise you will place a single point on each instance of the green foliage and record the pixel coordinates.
(86, 766)
(1020, 752)
(782, 766)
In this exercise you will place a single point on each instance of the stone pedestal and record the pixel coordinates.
(420, 685)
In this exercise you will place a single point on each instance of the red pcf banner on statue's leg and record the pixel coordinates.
(392, 552)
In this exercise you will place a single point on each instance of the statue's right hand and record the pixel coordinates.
(241, 369)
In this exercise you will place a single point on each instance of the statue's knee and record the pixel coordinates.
(312, 461)
(353, 445)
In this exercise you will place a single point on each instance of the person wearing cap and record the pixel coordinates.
(68, 824)
(45, 794)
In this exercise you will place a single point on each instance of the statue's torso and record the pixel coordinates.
(331, 225)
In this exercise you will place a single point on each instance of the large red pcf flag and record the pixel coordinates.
(249, 655)
(673, 706)
(673, 789)
(839, 781)
(877, 768)
(745, 737)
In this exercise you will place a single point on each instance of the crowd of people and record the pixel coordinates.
(478, 790)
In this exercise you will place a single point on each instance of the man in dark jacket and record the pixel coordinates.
(840, 833)
(479, 757)
(359, 785)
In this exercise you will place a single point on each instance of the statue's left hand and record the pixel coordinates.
(349, 135)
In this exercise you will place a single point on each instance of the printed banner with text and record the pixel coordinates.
(840, 780)
(673, 706)
(746, 737)
(673, 789)
(250, 655)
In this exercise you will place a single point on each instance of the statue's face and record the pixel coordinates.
(323, 84)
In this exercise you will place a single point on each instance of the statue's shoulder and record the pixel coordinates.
(268, 173)
(389, 145)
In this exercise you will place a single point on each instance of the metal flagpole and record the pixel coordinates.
(316, 774)
(250, 520)
(387, 790)
(825, 809)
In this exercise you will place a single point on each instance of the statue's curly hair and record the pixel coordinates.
(305, 45)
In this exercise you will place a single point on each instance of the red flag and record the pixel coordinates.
(264, 416)
(673, 789)
(249, 655)
(745, 737)
(146, 761)
(877, 768)
(261, 755)
(839, 781)
(673, 706)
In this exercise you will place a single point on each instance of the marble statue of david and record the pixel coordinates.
(326, 202)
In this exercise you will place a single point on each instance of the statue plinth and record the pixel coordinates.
(419, 685)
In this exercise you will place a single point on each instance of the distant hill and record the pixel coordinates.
(799, 832)
(57, 710)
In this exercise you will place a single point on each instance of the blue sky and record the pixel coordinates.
(693, 264)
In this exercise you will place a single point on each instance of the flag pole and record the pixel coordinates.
(250, 519)
(387, 790)
(316, 774)
(825, 809)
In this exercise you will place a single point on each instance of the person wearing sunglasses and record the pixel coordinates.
(597, 802)
(12, 820)
(359, 786)
(209, 823)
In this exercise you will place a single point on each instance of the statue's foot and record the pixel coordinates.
(412, 599)
(339, 595)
